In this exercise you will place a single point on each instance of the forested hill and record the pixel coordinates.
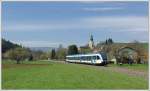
(43, 49)
(7, 45)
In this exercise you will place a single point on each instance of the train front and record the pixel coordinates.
(104, 58)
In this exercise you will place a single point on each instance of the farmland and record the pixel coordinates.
(60, 75)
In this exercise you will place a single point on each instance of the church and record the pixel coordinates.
(89, 47)
(91, 42)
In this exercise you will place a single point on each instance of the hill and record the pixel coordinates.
(7, 45)
(43, 49)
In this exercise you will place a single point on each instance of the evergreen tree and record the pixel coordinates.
(30, 57)
(109, 41)
(53, 54)
(7, 45)
(106, 42)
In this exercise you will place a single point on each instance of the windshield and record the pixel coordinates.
(104, 56)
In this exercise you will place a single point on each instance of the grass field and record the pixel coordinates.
(55, 75)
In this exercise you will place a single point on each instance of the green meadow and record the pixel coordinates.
(56, 75)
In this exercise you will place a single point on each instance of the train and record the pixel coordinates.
(91, 58)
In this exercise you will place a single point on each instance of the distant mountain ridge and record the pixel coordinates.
(44, 49)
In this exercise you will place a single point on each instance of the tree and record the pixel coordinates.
(61, 53)
(109, 41)
(44, 56)
(7, 45)
(85, 50)
(72, 49)
(30, 57)
(53, 54)
(141, 50)
(18, 54)
(106, 42)
(37, 55)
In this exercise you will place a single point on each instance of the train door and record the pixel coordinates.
(93, 59)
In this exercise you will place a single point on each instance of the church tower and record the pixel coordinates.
(91, 42)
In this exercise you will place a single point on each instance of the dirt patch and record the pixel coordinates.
(130, 72)
(6, 66)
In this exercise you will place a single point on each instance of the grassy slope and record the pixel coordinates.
(65, 76)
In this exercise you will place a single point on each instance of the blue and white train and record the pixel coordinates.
(93, 58)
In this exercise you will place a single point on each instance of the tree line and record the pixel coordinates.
(19, 53)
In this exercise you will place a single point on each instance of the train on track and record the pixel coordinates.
(92, 58)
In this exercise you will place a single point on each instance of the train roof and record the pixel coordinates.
(89, 54)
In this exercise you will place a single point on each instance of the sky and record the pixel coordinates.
(48, 24)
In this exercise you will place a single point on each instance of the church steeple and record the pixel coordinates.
(91, 42)
(91, 37)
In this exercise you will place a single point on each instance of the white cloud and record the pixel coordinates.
(103, 9)
(32, 27)
(122, 23)
(37, 43)
(131, 24)
(118, 23)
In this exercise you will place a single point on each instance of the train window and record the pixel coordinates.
(81, 58)
(77, 58)
(98, 57)
(88, 58)
(94, 57)
(84, 58)
(71, 58)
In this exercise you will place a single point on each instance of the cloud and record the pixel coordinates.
(37, 43)
(128, 23)
(132, 26)
(103, 9)
(46, 26)
(122, 23)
